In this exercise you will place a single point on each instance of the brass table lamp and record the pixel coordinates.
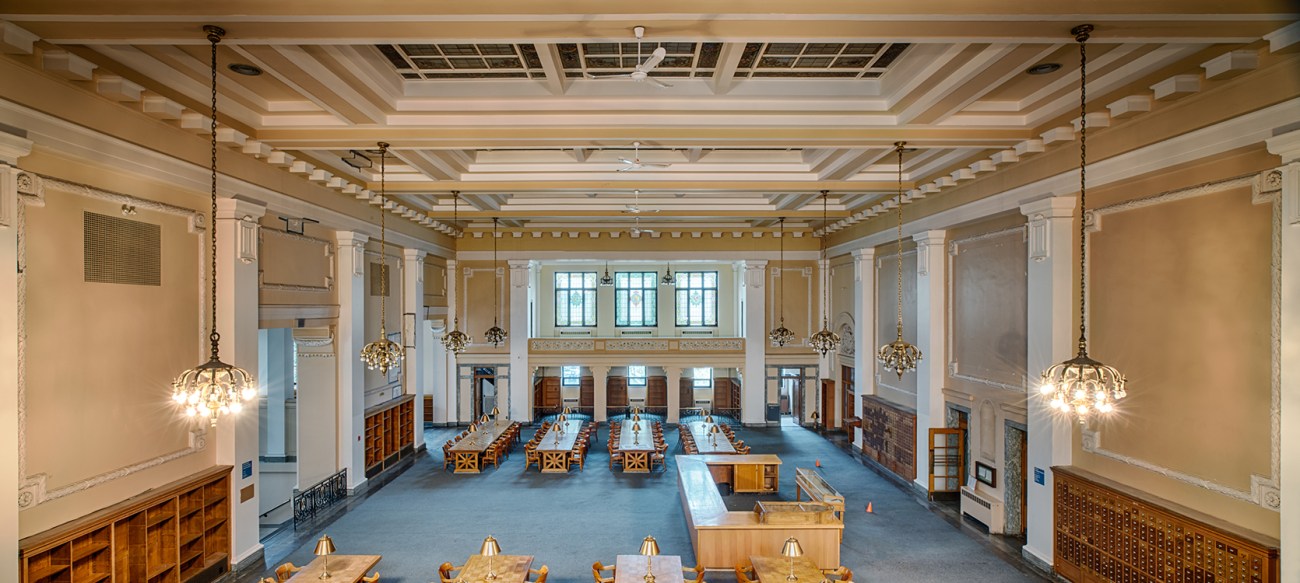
(491, 549)
(325, 548)
(649, 548)
(713, 434)
(790, 550)
(495, 412)
(636, 433)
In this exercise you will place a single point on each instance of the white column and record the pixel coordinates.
(1288, 147)
(11, 148)
(276, 375)
(520, 377)
(812, 399)
(413, 316)
(449, 386)
(237, 435)
(1050, 335)
(317, 400)
(674, 384)
(753, 404)
(351, 257)
(599, 380)
(864, 331)
(931, 281)
(434, 377)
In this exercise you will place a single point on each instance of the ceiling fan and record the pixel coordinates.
(636, 229)
(635, 163)
(635, 207)
(643, 69)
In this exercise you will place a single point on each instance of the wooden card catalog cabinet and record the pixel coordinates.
(889, 435)
(390, 433)
(1106, 531)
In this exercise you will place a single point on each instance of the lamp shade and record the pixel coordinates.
(636, 426)
(491, 548)
(567, 410)
(649, 546)
(636, 416)
(495, 411)
(708, 419)
(324, 546)
(791, 548)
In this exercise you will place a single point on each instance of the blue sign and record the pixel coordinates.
(1039, 477)
(248, 470)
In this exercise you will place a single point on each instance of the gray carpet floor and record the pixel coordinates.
(426, 516)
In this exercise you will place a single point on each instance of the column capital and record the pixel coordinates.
(1286, 145)
(1052, 207)
(239, 207)
(351, 238)
(13, 147)
(935, 237)
(864, 254)
(755, 263)
(519, 263)
(416, 255)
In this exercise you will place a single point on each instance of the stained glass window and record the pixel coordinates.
(636, 298)
(697, 298)
(636, 376)
(702, 378)
(570, 376)
(575, 299)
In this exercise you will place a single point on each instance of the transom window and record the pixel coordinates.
(702, 378)
(570, 376)
(697, 298)
(636, 298)
(575, 299)
(636, 376)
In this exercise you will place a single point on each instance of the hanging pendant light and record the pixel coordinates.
(899, 356)
(495, 335)
(215, 388)
(825, 341)
(455, 340)
(781, 335)
(1082, 386)
(607, 280)
(382, 354)
(668, 279)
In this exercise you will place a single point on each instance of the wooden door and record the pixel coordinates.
(846, 395)
(656, 392)
(827, 409)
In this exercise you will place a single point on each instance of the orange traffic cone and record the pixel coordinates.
(869, 510)
(818, 463)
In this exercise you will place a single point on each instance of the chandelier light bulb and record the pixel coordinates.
(1046, 389)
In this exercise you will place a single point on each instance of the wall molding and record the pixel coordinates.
(1264, 491)
(327, 246)
(954, 250)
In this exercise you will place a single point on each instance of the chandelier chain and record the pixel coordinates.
(1082, 38)
(899, 258)
(214, 337)
(496, 294)
(825, 267)
(780, 290)
(383, 239)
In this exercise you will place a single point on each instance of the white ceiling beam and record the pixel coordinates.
(693, 155)
(180, 82)
(549, 54)
(340, 87)
(724, 74)
(580, 154)
(431, 167)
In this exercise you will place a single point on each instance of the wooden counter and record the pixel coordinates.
(723, 538)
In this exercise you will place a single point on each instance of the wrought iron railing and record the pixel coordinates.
(310, 503)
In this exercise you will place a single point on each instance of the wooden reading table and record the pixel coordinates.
(770, 569)
(555, 455)
(631, 569)
(342, 568)
(701, 430)
(470, 450)
(509, 568)
(636, 448)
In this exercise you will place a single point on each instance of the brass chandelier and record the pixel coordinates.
(781, 335)
(899, 356)
(1081, 386)
(382, 354)
(455, 340)
(214, 388)
(825, 341)
(668, 280)
(495, 335)
(606, 280)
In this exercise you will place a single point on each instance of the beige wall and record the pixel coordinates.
(99, 358)
(296, 269)
(474, 301)
(802, 286)
(1181, 303)
(378, 386)
(435, 282)
(889, 386)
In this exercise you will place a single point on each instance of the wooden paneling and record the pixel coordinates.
(177, 533)
(828, 418)
(656, 392)
(616, 393)
(546, 393)
(1106, 531)
(889, 435)
(390, 433)
(687, 392)
(587, 392)
(847, 418)
(726, 393)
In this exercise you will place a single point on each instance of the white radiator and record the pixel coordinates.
(984, 508)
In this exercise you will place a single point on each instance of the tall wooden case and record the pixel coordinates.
(390, 433)
(1105, 531)
(889, 435)
(179, 533)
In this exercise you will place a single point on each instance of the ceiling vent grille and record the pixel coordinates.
(121, 250)
(379, 277)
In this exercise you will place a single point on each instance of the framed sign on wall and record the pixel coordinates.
(986, 474)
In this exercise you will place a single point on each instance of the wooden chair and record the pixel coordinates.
(492, 455)
(842, 573)
(577, 457)
(540, 573)
(615, 456)
(597, 568)
(745, 573)
(268, 580)
(531, 457)
(372, 579)
(695, 574)
(285, 571)
(447, 458)
(444, 572)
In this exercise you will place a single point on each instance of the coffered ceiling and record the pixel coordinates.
(766, 106)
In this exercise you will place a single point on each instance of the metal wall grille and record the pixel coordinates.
(121, 250)
(379, 278)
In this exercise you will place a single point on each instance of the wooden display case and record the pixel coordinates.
(889, 436)
(1106, 531)
(390, 433)
(178, 533)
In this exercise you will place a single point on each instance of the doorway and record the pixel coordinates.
(1016, 478)
(484, 391)
(791, 393)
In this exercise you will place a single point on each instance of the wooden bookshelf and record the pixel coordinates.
(178, 533)
(389, 434)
